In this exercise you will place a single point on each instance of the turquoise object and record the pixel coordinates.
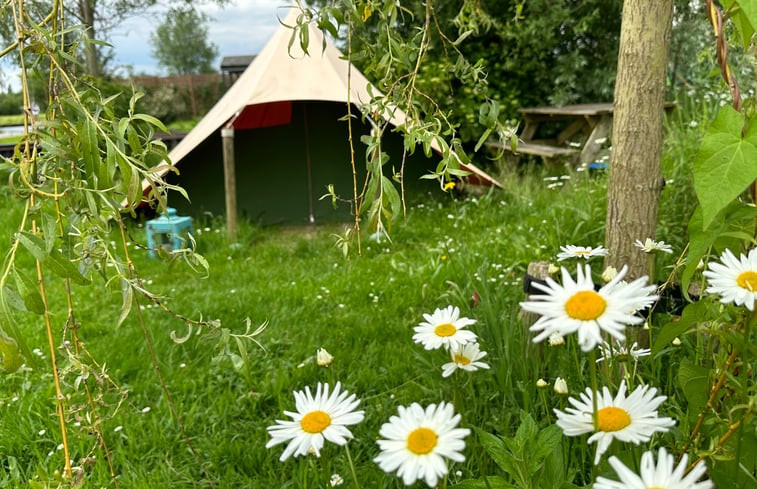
(168, 232)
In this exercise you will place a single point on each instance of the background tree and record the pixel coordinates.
(181, 43)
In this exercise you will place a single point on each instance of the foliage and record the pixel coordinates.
(181, 43)
(11, 104)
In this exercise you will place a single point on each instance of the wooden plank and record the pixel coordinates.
(542, 150)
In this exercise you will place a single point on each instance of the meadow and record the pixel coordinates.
(461, 250)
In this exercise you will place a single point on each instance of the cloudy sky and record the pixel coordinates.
(240, 28)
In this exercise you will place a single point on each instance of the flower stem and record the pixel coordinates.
(593, 375)
(352, 466)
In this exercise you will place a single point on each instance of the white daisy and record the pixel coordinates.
(629, 419)
(319, 417)
(336, 480)
(561, 386)
(650, 246)
(575, 306)
(586, 252)
(465, 357)
(417, 442)
(323, 358)
(444, 328)
(664, 475)
(620, 352)
(735, 279)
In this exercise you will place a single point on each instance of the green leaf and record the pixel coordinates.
(49, 231)
(548, 439)
(127, 299)
(13, 299)
(495, 447)
(527, 432)
(151, 120)
(90, 151)
(55, 260)
(693, 379)
(726, 164)
(59, 264)
(491, 482)
(29, 291)
(692, 314)
(11, 356)
(33, 244)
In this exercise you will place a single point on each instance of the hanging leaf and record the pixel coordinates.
(11, 356)
(28, 289)
(90, 151)
(727, 162)
(127, 299)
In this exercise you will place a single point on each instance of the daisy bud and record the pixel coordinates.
(609, 274)
(323, 358)
(541, 383)
(561, 387)
(555, 339)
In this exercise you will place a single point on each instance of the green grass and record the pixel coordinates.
(360, 309)
(11, 120)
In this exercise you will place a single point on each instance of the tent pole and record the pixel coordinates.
(229, 182)
(307, 160)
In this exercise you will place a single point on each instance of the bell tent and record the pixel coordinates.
(287, 111)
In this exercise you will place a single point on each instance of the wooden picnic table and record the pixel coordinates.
(575, 129)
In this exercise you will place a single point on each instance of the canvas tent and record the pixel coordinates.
(290, 139)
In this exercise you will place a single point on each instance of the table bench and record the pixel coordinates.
(588, 126)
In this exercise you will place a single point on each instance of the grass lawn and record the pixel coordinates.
(362, 310)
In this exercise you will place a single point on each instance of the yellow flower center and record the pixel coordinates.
(421, 441)
(445, 329)
(315, 422)
(747, 280)
(585, 305)
(461, 359)
(583, 252)
(612, 419)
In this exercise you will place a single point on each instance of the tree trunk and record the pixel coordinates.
(635, 169)
(87, 16)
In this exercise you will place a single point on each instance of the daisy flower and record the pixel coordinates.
(629, 419)
(664, 475)
(444, 328)
(417, 442)
(650, 246)
(575, 307)
(318, 418)
(586, 252)
(620, 352)
(735, 279)
(323, 358)
(465, 357)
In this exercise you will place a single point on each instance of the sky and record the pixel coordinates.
(242, 27)
(237, 29)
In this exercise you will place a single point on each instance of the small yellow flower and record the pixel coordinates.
(449, 185)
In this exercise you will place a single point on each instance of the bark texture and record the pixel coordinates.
(635, 169)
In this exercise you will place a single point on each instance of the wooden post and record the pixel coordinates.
(229, 182)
